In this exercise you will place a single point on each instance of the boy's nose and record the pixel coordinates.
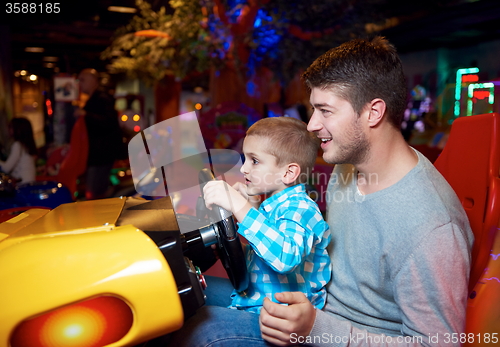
(242, 169)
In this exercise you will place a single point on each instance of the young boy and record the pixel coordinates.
(287, 234)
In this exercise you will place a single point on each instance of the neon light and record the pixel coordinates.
(495, 256)
(481, 94)
(458, 86)
(470, 78)
(470, 94)
(456, 110)
(492, 278)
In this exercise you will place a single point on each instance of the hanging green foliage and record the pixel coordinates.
(193, 35)
(157, 43)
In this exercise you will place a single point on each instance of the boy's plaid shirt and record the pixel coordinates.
(288, 238)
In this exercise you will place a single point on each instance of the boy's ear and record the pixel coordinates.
(292, 173)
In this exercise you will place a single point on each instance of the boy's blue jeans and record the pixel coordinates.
(215, 325)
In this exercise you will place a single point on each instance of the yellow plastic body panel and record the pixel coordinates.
(75, 253)
(13, 225)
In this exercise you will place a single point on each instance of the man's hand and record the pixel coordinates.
(278, 322)
(222, 194)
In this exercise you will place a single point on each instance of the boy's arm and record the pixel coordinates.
(254, 200)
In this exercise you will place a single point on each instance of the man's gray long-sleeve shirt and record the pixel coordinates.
(401, 262)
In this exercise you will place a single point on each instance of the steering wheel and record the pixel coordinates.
(228, 242)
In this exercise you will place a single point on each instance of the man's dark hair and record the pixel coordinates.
(360, 71)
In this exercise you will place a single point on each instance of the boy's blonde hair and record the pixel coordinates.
(289, 142)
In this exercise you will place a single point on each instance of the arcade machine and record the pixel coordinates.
(110, 272)
(119, 271)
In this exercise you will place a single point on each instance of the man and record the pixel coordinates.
(401, 241)
(103, 131)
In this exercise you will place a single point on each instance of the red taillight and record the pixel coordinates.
(92, 323)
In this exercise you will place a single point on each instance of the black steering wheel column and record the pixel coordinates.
(222, 233)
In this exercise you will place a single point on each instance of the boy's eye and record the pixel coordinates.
(255, 161)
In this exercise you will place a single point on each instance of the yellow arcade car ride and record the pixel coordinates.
(111, 272)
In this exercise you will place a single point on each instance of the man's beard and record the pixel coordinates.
(353, 151)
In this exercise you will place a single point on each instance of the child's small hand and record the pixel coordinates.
(217, 192)
(222, 194)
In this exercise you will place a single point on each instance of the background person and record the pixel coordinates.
(21, 160)
(104, 134)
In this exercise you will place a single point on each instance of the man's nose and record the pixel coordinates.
(314, 123)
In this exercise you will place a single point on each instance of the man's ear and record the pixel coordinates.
(376, 112)
(292, 173)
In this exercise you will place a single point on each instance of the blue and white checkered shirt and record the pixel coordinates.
(288, 238)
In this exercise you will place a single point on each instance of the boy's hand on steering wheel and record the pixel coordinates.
(222, 194)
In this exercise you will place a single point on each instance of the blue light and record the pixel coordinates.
(234, 16)
(234, 9)
(271, 114)
(251, 88)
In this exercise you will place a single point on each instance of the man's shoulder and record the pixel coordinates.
(425, 201)
(428, 184)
